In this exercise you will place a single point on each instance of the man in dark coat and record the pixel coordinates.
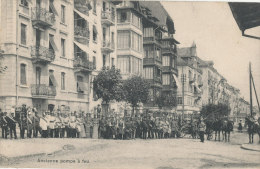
(12, 125)
(144, 128)
(4, 125)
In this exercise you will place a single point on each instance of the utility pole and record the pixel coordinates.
(250, 90)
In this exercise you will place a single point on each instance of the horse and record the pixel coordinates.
(227, 127)
(252, 128)
(217, 127)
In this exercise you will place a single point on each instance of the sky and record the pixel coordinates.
(212, 27)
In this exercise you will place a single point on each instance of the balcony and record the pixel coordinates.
(42, 18)
(81, 65)
(81, 34)
(151, 61)
(152, 40)
(167, 50)
(108, 46)
(108, 17)
(82, 6)
(42, 54)
(43, 91)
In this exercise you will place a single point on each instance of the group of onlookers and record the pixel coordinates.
(54, 124)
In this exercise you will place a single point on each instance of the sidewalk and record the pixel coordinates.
(26, 147)
(252, 147)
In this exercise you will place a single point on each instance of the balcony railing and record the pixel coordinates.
(83, 65)
(81, 32)
(108, 17)
(42, 90)
(152, 61)
(42, 17)
(42, 54)
(108, 46)
(82, 6)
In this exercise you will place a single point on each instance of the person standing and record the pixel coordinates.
(4, 125)
(202, 129)
(72, 124)
(12, 124)
(30, 124)
(52, 125)
(44, 126)
(36, 122)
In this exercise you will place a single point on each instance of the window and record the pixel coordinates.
(148, 32)
(52, 44)
(52, 80)
(81, 86)
(148, 73)
(62, 14)
(123, 16)
(63, 48)
(94, 33)
(62, 81)
(38, 75)
(23, 74)
(123, 39)
(24, 3)
(123, 63)
(94, 62)
(113, 61)
(104, 60)
(52, 7)
(166, 79)
(179, 100)
(23, 34)
(136, 42)
(136, 65)
(135, 20)
(173, 62)
(166, 60)
(149, 51)
(94, 6)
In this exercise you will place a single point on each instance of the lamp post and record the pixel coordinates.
(183, 80)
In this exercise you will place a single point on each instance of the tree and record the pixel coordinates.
(108, 86)
(211, 112)
(166, 99)
(136, 91)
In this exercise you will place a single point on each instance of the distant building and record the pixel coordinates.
(189, 96)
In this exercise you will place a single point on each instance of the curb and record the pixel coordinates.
(243, 146)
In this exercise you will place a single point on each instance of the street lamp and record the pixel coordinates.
(183, 80)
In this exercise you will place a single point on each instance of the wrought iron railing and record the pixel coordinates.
(81, 63)
(43, 53)
(108, 15)
(43, 90)
(43, 15)
(80, 31)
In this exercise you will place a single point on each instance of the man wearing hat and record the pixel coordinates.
(72, 124)
(66, 121)
(202, 128)
(58, 124)
(36, 123)
(12, 123)
(4, 125)
(44, 125)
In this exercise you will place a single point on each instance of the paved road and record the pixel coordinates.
(155, 154)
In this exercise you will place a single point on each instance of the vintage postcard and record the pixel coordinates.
(129, 84)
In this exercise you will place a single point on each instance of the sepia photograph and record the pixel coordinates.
(121, 84)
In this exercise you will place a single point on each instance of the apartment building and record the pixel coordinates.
(51, 49)
(189, 95)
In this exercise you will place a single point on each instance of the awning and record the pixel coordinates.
(82, 86)
(53, 8)
(53, 43)
(176, 81)
(81, 46)
(53, 80)
(81, 14)
(197, 87)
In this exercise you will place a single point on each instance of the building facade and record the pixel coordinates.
(53, 51)
(189, 96)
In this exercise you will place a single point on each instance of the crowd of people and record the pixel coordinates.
(54, 124)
